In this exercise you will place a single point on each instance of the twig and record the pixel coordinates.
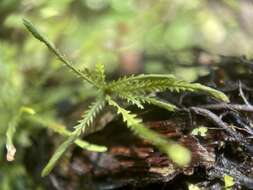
(234, 87)
(243, 96)
(237, 107)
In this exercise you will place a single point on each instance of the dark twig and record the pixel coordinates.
(242, 95)
(234, 86)
(221, 106)
(239, 121)
(218, 122)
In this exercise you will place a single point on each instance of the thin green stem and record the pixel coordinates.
(51, 46)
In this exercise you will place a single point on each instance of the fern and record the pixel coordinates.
(136, 90)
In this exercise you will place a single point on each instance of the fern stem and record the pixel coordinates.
(11, 130)
(51, 47)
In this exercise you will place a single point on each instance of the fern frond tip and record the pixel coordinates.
(215, 93)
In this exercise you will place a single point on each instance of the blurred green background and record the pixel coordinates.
(128, 36)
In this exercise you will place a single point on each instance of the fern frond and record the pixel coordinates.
(166, 146)
(83, 126)
(215, 93)
(135, 124)
(31, 28)
(58, 153)
(142, 84)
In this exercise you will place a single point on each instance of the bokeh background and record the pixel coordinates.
(128, 36)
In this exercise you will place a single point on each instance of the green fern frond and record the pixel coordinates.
(142, 84)
(58, 153)
(83, 126)
(135, 124)
(201, 88)
(166, 146)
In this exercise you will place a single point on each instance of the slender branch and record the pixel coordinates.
(242, 95)
(238, 107)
